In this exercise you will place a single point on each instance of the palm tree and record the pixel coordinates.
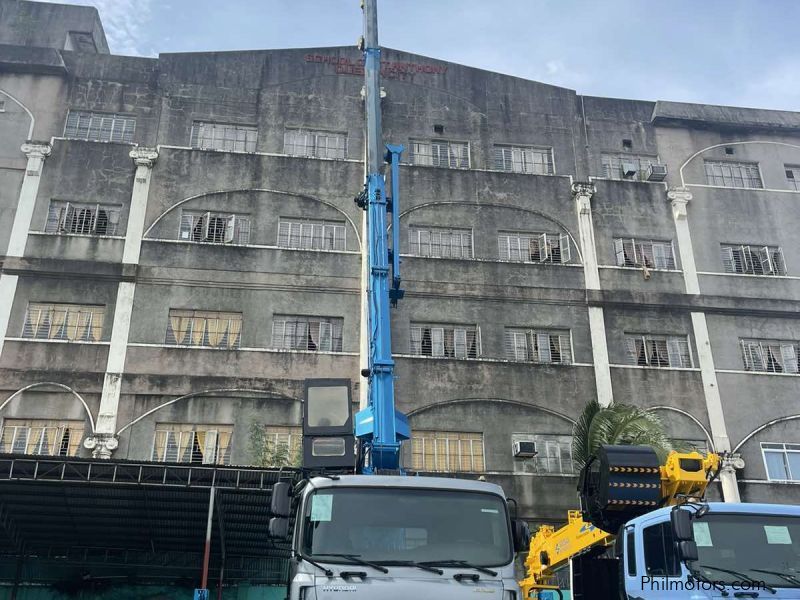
(616, 424)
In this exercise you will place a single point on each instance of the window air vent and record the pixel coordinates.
(525, 449)
(656, 173)
(629, 170)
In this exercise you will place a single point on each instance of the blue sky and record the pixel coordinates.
(736, 52)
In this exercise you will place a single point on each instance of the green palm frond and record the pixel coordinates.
(581, 433)
(616, 424)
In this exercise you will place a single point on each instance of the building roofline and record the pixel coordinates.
(667, 112)
(71, 6)
(664, 112)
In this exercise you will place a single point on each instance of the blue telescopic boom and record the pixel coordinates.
(379, 427)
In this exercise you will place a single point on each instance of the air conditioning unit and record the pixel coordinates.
(656, 172)
(629, 170)
(525, 449)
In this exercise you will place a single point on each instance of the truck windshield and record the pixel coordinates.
(407, 524)
(761, 547)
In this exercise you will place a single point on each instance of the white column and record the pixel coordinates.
(8, 289)
(582, 192)
(602, 371)
(104, 441)
(36, 154)
(727, 477)
(144, 159)
(680, 198)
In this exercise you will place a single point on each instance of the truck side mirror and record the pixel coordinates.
(279, 528)
(280, 503)
(681, 521)
(687, 551)
(522, 535)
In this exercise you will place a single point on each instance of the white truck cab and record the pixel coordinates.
(739, 551)
(400, 537)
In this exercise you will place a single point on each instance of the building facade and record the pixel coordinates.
(180, 250)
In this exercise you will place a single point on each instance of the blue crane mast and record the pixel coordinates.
(379, 428)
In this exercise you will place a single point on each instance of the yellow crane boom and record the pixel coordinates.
(683, 475)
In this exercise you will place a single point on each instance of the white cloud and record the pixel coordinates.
(554, 67)
(125, 23)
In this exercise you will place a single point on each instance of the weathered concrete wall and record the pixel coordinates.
(42, 96)
(609, 121)
(68, 291)
(25, 23)
(136, 442)
(257, 307)
(320, 89)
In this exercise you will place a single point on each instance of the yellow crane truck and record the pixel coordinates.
(645, 532)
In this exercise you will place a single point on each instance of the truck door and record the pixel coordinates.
(659, 572)
(628, 563)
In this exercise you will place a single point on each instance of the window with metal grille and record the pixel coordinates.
(214, 228)
(206, 328)
(553, 454)
(316, 334)
(524, 159)
(753, 259)
(658, 350)
(81, 218)
(439, 153)
(41, 436)
(192, 443)
(630, 167)
(733, 174)
(793, 176)
(70, 322)
(315, 144)
(222, 136)
(277, 445)
(447, 451)
(311, 235)
(538, 345)
(440, 242)
(534, 247)
(99, 127)
(652, 254)
(770, 356)
(446, 341)
(782, 461)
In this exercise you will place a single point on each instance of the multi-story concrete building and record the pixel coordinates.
(181, 250)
